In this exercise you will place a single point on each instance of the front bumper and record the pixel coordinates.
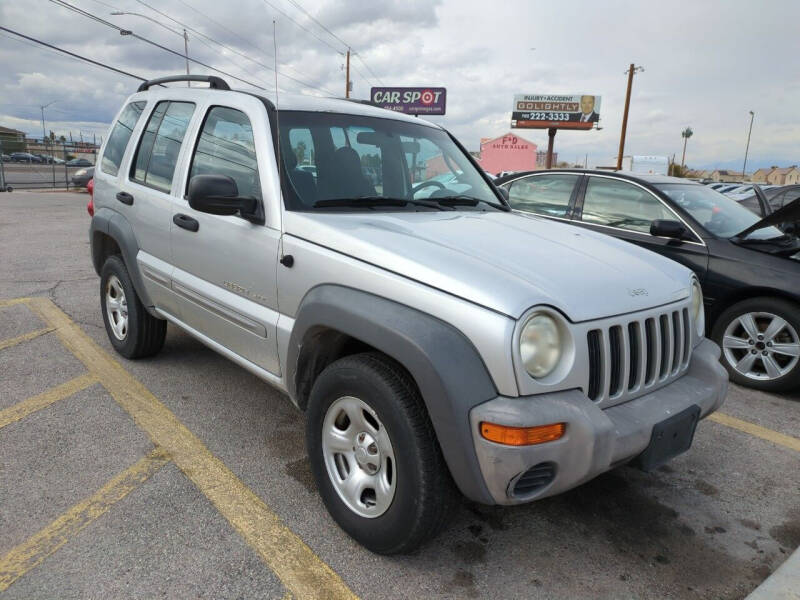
(596, 439)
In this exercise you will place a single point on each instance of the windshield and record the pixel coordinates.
(336, 160)
(720, 215)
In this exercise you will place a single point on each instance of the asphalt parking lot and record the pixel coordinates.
(185, 476)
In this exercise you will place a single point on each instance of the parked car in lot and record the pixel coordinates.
(5, 158)
(25, 157)
(79, 162)
(81, 177)
(430, 341)
(749, 269)
(770, 199)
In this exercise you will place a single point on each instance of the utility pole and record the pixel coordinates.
(347, 82)
(747, 148)
(633, 69)
(685, 134)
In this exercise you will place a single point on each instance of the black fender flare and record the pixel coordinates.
(446, 367)
(111, 223)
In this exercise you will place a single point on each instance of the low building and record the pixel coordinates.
(508, 152)
(760, 175)
(793, 176)
(778, 176)
(725, 175)
(11, 140)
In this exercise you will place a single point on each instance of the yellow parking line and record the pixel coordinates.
(33, 551)
(301, 571)
(45, 399)
(757, 430)
(12, 302)
(24, 337)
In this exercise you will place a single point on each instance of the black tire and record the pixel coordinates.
(424, 494)
(788, 311)
(145, 334)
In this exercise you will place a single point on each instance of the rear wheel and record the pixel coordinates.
(374, 455)
(760, 342)
(133, 331)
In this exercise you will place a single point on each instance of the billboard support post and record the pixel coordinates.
(551, 138)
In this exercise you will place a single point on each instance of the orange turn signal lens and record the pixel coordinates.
(522, 436)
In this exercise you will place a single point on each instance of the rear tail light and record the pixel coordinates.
(90, 204)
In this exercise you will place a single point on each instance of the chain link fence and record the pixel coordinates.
(46, 164)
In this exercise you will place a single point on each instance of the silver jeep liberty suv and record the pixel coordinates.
(361, 262)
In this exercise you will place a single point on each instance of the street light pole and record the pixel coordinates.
(44, 134)
(633, 69)
(186, 53)
(184, 35)
(747, 148)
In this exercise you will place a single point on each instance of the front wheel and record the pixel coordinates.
(375, 458)
(760, 342)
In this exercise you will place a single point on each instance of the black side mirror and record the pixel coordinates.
(668, 228)
(218, 195)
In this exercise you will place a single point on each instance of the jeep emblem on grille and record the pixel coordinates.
(637, 292)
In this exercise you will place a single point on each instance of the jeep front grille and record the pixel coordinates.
(637, 354)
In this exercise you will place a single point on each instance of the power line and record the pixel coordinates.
(73, 54)
(301, 27)
(299, 7)
(310, 16)
(209, 38)
(363, 62)
(94, 17)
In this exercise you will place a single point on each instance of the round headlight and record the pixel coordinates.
(540, 345)
(698, 312)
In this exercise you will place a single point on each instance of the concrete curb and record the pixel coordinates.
(783, 584)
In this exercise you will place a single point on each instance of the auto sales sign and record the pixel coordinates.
(412, 101)
(578, 111)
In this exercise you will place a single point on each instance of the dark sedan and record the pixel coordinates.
(749, 269)
(79, 162)
(25, 157)
(81, 177)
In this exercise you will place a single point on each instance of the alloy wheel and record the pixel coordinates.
(116, 307)
(761, 346)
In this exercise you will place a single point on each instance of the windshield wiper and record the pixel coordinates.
(372, 202)
(465, 200)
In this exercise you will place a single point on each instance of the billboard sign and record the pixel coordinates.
(579, 111)
(411, 100)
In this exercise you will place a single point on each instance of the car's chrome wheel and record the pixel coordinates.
(761, 346)
(359, 457)
(116, 308)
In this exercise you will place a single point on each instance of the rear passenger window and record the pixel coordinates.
(226, 147)
(118, 140)
(155, 160)
(620, 204)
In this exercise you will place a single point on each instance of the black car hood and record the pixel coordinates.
(786, 214)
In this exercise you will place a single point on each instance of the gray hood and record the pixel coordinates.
(503, 261)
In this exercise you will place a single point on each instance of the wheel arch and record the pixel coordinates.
(334, 321)
(742, 294)
(111, 233)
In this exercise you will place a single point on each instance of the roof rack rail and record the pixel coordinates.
(215, 83)
(362, 101)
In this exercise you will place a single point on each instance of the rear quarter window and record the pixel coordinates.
(119, 138)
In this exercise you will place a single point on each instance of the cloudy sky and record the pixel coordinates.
(706, 64)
